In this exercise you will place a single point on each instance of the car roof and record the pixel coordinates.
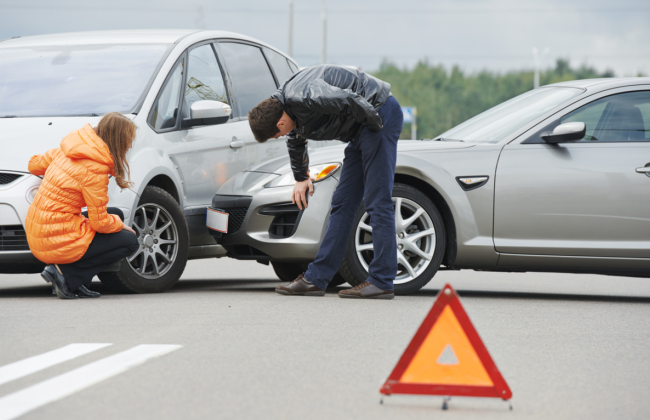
(133, 36)
(604, 83)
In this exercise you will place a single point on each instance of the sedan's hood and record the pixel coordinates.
(319, 155)
(22, 138)
(430, 145)
(335, 154)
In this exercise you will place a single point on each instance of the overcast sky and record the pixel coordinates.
(475, 34)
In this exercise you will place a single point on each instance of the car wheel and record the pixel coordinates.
(164, 242)
(289, 271)
(420, 234)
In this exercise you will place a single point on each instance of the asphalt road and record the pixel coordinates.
(569, 346)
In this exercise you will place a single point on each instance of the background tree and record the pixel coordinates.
(445, 98)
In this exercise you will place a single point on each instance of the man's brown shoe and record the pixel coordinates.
(366, 290)
(300, 287)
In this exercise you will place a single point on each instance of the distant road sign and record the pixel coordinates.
(410, 116)
(409, 112)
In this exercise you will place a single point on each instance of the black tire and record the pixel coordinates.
(127, 279)
(289, 271)
(355, 273)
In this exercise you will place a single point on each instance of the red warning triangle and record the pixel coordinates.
(447, 357)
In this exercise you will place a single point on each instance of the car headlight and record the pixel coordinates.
(317, 173)
(31, 194)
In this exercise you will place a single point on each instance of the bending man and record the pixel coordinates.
(330, 102)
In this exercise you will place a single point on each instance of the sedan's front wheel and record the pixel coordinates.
(163, 237)
(420, 236)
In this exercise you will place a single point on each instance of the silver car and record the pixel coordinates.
(188, 91)
(556, 179)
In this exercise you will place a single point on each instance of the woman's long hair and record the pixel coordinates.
(118, 132)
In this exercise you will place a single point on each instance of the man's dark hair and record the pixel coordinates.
(264, 119)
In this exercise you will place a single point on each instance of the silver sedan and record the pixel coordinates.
(556, 179)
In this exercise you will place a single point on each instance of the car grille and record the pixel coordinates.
(236, 217)
(7, 177)
(13, 238)
(236, 206)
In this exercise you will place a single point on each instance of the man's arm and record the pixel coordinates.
(331, 100)
(298, 156)
(299, 159)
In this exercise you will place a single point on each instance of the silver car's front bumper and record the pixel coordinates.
(15, 256)
(253, 240)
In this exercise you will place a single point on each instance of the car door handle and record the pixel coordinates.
(644, 170)
(236, 144)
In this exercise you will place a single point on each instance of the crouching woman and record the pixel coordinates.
(75, 245)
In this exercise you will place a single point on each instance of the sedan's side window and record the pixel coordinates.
(249, 73)
(280, 66)
(164, 112)
(204, 79)
(624, 117)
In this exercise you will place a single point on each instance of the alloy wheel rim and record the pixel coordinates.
(415, 236)
(157, 239)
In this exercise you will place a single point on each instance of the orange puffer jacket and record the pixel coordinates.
(76, 176)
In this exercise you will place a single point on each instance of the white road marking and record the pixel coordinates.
(33, 364)
(21, 402)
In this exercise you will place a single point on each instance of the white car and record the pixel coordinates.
(188, 91)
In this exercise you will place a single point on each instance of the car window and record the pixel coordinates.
(618, 118)
(499, 122)
(280, 65)
(165, 110)
(74, 80)
(249, 74)
(294, 68)
(204, 79)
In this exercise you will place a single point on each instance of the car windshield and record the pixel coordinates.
(75, 80)
(499, 122)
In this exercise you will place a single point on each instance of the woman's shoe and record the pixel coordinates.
(48, 273)
(84, 292)
(62, 289)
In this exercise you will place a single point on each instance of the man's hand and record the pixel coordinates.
(299, 191)
(125, 227)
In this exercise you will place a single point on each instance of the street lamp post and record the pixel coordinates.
(537, 59)
(323, 52)
(290, 44)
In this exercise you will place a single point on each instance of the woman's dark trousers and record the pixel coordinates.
(105, 249)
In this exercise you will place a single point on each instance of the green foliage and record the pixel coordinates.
(447, 98)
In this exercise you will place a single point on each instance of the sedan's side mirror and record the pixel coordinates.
(566, 132)
(207, 113)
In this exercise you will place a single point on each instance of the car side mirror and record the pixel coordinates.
(566, 132)
(207, 113)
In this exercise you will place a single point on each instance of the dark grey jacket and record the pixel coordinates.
(329, 103)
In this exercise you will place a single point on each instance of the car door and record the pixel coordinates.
(584, 198)
(213, 153)
(164, 116)
(252, 81)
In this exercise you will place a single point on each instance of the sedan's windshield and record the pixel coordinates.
(497, 123)
(75, 80)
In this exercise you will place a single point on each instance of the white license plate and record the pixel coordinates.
(217, 220)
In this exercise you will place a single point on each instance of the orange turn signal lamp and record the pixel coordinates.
(320, 172)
